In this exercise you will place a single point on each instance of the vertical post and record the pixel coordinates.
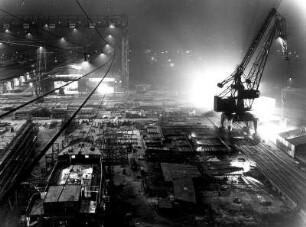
(125, 51)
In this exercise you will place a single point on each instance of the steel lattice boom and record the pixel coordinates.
(242, 86)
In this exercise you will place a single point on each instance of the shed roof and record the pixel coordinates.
(53, 194)
(293, 133)
(297, 140)
(70, 193)
(295, 136)
(63, 193)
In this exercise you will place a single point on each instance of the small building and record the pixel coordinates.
(293, 142)
(62, 199)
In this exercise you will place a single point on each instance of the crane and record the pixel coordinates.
(242, 86)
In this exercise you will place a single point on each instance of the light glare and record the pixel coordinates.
(203, 86)
(85, 64)
(264, 108)
(105, 89)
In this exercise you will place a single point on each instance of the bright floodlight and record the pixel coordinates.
(72, 25)
(280, 40)
(270, 130)
(110, 39)
(201, 85)
(108, 49)
(102, 57)
(85, 64)
(76, 66)
(91, 25)
(264, 108)
(112, 25)
(105, 89)
(201, 90)
(52, 26)
(198, 96)
(245, 165)
(28, 35)
(300, 8)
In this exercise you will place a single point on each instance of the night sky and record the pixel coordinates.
(172, 40)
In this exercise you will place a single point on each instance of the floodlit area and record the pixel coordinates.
(152, 113)
(168, 159)
(201, 86)
(265, 109)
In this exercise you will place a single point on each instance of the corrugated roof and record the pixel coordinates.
(70, 193)
(63, 193)
(53, 194)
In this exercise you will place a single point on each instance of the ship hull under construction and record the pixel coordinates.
(75, 192)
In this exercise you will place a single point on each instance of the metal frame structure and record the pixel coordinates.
(241, 87)
(119, 20)
(28, 23)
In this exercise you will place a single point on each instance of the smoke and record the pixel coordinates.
(214, 30)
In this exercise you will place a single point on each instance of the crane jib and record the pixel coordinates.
(241, 87)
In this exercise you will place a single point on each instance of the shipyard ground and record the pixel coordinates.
(181, 171)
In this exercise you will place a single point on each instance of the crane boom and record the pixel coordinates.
(247, 57)
(242, 87)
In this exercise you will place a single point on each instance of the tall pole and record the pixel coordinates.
(125, 61)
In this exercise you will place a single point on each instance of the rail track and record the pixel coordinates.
(280, 169)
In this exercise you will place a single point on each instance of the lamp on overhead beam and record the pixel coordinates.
(6, 26)
(26, 26)
(72, 25)
(52, 26)
(91, 25)
(112, 25)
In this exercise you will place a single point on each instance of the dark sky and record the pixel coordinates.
(170, 40)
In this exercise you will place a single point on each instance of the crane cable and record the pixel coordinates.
(50, 143)
(95, 117)
(88, 18)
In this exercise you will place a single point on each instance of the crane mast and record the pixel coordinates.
(242, 87)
